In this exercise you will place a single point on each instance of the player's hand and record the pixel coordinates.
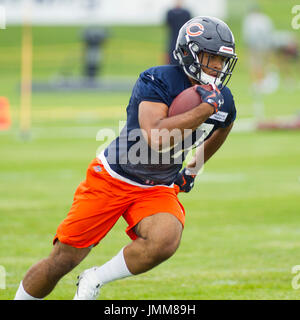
(185, 180)
(213, 97)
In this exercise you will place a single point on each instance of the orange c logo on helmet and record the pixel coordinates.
(198, 29)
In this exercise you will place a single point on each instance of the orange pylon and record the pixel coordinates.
(5, 119)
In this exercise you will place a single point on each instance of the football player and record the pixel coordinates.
(145, 192)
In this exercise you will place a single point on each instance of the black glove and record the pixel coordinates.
(185, 180)
(213, 97)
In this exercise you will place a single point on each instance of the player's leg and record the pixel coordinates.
(158, 238)
(155, 221)
(93, 213)
(156, 235)
(42, 277)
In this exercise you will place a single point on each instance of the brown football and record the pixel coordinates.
(187, 100)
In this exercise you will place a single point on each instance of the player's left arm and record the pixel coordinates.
(185, 178)
(210, 146)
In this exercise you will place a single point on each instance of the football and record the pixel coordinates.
(187, 100)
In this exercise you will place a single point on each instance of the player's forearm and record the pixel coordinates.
(191, 119)
(208, 149)
(179, 126)
(200, 158)
(204, 152)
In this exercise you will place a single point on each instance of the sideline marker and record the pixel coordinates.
(5, 119)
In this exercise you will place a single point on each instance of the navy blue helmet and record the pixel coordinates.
(205, 34)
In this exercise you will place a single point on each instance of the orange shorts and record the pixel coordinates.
(101, 200)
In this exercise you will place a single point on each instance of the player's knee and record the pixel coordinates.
(164, 251)
(161, 234)
(165, 246)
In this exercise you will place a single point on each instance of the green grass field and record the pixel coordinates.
(242, 232)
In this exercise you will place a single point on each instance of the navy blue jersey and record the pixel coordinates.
(130, 156)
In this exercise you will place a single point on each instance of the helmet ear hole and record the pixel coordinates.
(195, 47)
(193, 68)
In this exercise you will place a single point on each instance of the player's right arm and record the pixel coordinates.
(154, 122)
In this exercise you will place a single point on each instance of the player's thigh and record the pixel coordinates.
(155, 211)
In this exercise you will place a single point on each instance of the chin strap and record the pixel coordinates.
(207, 79)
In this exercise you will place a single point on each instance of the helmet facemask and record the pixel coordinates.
(188, 56)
